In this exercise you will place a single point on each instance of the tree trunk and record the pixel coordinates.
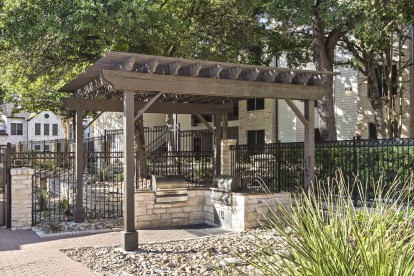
(323, 53)
(377, 103)
(172, 139)
(141, 165)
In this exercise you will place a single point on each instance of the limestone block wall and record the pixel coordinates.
(246, 211)
(226, 155)
(258, 120)
(21, 192)
(148, 214)
(249, 210)
(208, 209)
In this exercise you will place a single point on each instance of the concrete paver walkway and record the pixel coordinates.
(24, 253)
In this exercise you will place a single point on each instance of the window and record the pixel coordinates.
(16, 129)
(37, 147)
(55, 129)
(37, 129)
(47, 148)
(45, 129)
(255, 104)
(372, 131)
(256, 137)
(47, 116)
(233, 133)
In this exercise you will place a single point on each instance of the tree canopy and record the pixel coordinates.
(45, 43)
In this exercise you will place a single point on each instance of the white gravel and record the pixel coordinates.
(213, 255)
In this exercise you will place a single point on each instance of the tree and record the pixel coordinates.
(44, 44)
(377, 47)
(322, 23)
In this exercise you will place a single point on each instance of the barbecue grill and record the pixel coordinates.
(222, 188)
(169, 188)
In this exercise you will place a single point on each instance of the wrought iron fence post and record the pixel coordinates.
(105, 148)
(279, 169)
(179, 150)
(355, 172)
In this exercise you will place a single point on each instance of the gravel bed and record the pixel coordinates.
(70, 226)
(212, 255)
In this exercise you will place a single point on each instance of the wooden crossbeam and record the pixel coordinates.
(190, 70)
(298, 113)
(147, 67)
(93, 120)
(157, 107)
(168, 69)
(212, 87)
(211, 72)
(268, 76)
(127, 65)
(231, 73)
(94, 85)
(301, 78)
(249, 75)
(204, 121)
(285, 77)
(147, 105)
(317, 80)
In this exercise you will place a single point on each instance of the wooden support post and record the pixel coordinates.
(129, 237)
(8, 185)
(309, 152)
(217, 124)
(79, 213)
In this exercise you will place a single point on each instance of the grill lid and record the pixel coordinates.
(229, 183)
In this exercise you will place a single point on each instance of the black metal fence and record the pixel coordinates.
(277, 166)
(280, 166)
(54, 184)
(197, 167)
(54, 181)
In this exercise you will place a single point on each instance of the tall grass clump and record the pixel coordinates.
(323, 233)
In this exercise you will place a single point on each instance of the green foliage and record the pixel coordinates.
(46, 43)
(53, 225)
(324, 234)
(120, 177)
(43, 197)
(65, 207)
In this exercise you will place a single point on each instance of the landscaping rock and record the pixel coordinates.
(204, 256)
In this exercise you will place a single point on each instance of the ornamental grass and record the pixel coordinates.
(325, 234)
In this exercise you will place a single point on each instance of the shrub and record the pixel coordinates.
(43, 197)
(65, 207)
(324, 234)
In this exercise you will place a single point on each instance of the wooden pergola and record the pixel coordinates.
(136, 84)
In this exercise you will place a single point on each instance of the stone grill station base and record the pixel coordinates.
(246, 210)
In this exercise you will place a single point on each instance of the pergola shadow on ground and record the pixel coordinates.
(136, 84)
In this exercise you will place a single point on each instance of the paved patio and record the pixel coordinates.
(24, 253)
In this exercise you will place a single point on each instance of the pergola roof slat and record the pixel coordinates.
(196, 71)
